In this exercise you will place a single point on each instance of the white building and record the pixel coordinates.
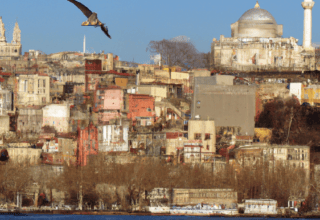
(113, 138)
(295, 89)
(57, 116)
(5, 102)
(260, 206)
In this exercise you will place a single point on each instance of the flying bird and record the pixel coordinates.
(92, 17)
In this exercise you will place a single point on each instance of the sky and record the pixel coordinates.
(55, 25)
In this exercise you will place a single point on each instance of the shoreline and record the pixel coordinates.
(67, 212)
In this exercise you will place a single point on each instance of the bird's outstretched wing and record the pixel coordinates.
(105, 30)
(86, 11)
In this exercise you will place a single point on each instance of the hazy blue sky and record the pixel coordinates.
(55, 25)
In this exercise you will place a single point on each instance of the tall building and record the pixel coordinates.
(10, 49)
(256, 43)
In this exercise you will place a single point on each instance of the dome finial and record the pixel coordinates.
(257, 5)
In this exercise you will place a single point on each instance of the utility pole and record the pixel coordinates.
(291, 117)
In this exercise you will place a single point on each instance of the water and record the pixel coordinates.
(120, 217)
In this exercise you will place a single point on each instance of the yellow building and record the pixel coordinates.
(310, 95)
(23, 153)
(203, 130)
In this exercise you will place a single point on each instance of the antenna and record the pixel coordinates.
(84, 44)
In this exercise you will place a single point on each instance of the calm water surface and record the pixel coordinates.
(119, 217)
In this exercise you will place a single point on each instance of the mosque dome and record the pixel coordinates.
(256, 22)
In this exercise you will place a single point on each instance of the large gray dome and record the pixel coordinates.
(256, 22)
(257, 14)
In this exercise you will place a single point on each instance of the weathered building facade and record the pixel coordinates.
(33, 89)
(57, 116)
(183, 197)
(113, 137)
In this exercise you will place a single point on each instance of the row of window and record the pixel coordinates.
(198, 136)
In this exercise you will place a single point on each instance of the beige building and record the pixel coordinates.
(256, 44)
(159, 92)
(4, 124)
(203, 130)
(23, 153)
(33, 89)
(183, 197)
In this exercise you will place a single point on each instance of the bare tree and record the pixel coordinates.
(178, 52)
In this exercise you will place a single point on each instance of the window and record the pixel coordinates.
(197, 136)
(306, 96)
(25, 85)
(302, 155)
(208, 147)
(149, 109)
(44, 83)
(317, 95)
(53, 122)
(207, 137)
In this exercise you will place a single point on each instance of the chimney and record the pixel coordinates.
(137, 77)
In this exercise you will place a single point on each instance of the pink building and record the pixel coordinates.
(109, 102)
(113, 98)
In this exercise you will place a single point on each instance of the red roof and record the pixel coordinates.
(113, 87)
(5, 74)
(173, 135)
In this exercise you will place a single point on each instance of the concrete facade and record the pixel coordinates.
(228, 106)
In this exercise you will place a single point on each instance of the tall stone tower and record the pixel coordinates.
(16, 34)
(307, 32)
(2, 31)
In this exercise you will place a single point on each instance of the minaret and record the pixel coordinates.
(307, 32)
(84, 44)
(16, 34)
